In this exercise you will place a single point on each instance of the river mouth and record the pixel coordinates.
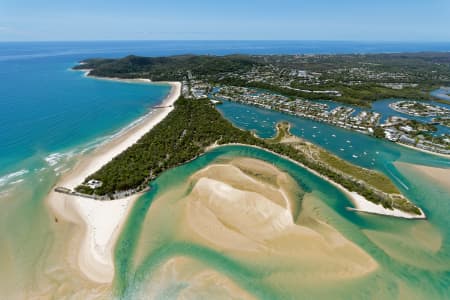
(186, 225)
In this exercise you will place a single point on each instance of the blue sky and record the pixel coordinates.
(374, 20)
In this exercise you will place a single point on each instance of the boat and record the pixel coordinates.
(355, 156)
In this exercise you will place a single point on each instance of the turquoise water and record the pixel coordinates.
(398, 271)
(433, 272)
(46, 108)
(49, 115)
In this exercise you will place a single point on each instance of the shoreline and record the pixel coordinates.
(361, 203)
(337, 126)
(102, 221)
(424, 151)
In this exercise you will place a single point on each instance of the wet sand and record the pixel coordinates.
(242, 209)
(185, 278)
(227, 216)
(102, 221)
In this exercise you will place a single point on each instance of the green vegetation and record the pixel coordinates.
(364, 93)
(378, 132)
(172, 68)
(185, 134)
(282, 133)
(180, 137)
(375, 179)
(353, 79)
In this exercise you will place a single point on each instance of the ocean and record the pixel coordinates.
(51, 115)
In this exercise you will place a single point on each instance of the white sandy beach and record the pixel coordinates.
(103, 220)
(363, 205)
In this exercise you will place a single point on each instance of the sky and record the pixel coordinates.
(350, 20)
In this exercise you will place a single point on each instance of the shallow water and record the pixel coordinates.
(50, 116)
(397, 274)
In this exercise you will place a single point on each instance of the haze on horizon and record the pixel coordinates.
(382, 20)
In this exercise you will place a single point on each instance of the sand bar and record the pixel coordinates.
(102, 220)
(440, 175)
(361, 203)
(223, 214)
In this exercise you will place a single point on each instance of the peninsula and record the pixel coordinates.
(102, 221)
(194, 126)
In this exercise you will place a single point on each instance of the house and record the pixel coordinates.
(93, 184)
(407, 140)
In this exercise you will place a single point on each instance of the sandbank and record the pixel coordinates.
(361, 203)
(438, 175)
(222, 213)
(199, 281)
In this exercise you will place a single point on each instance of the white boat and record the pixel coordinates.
(355, 156)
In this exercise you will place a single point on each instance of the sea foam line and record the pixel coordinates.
(9, 177)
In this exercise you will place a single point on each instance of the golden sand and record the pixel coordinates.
(243, 209)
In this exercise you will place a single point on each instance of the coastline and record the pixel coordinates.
(424, 151)
(361, 203)
(102, 221)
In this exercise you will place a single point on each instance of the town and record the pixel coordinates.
(396, 129)
(306, 85)
(419, 109)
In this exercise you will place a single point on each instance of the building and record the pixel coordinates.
(93, 184)
(407, 140)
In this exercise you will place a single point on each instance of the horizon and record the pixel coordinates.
(234, 40)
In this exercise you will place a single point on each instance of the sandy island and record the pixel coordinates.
(233, 208)
(249, 211)
(102, 220)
